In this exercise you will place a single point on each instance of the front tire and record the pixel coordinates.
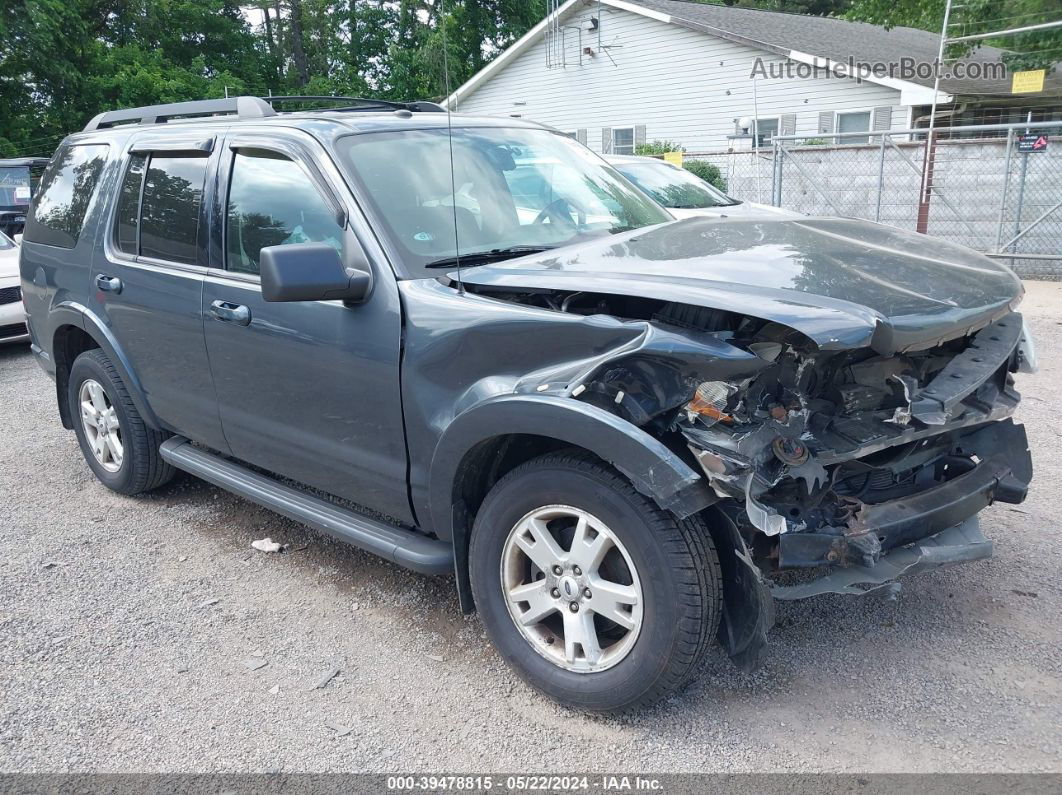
(119, 447)
(590, 591)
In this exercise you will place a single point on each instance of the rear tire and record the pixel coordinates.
(119, 447)
(657, 576)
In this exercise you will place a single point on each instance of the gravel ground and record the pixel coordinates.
(144, 634)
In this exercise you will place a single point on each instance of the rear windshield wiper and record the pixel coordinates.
(481, 257)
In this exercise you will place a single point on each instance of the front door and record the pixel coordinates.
(308, 390)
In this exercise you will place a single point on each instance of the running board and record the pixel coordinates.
(404, 547)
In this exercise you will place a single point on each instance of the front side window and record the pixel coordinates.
(623, 141)
(273, 202)
(672, 186)
(66, 190)
(853, 122)
(509, 190)
(169, 212)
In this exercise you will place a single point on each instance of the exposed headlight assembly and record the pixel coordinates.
(710, 402)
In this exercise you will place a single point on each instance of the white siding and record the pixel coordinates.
(682, 85)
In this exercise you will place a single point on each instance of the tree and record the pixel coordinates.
(1036, 50)
(817, 8)
(63, 61)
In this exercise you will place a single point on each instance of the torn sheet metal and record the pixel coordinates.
(960, 544)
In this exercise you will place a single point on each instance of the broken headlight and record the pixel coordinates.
(710, 402)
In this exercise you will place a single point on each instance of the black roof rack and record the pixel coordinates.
(243, 107)
(361, 103)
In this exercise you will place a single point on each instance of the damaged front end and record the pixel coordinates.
(864, 464)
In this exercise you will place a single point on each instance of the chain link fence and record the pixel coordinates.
(996, 188)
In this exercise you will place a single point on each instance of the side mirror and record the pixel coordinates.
(18, 239)
(310, 272)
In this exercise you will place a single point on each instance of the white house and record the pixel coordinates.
(615, 73)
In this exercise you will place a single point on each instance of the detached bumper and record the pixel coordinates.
(932, 528)
(959, 544)
(1002, 474)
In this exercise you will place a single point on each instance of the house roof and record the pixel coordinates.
(834, 39)
(822, 41)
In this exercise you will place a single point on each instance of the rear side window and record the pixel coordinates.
(169, 212)
(128, 222)
(158, 206)
(66, 191)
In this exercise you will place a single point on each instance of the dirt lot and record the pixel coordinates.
(133, 634)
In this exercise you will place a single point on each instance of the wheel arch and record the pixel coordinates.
(75, 331)
(492, 438)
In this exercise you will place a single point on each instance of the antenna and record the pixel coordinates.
(450, 142)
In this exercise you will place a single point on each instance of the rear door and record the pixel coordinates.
(147, 278)
(308, 390)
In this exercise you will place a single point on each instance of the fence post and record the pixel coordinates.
(776, 175)
(1006, 187)
(926, 188)
(881, 178)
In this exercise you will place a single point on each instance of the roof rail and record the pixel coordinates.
(242, 107)
(362, 103)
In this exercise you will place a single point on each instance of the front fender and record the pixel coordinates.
(652, 467)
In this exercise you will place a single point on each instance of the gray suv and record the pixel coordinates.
(472, 347)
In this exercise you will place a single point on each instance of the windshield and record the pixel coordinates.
(516, 189)
(14, 186)
(672, 186)
(5, 242)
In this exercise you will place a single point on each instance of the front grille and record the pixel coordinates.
(9, 295)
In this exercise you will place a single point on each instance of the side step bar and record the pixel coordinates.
(404, 547)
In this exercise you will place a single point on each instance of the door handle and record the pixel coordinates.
(108, 284)
(231, 313)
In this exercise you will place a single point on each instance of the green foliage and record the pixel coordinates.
(658, 148)
(707, 171)
(1035, 50)
(818, 8)
(63, 61)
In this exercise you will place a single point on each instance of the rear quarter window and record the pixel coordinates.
(66, 190)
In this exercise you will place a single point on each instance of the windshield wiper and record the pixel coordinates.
(482, 257)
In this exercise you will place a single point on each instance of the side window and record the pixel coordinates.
(272, 202)
(66, 190)
(169, 214)
(128, 213)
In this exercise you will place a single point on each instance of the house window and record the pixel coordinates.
(623, 141)
(853, 122)
(765, 130)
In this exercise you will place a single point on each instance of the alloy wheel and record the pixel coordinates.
(571, 588)
(100, 423)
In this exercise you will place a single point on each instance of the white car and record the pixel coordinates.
(686, 195)
(12, 313)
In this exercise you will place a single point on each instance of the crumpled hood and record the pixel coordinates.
(844, 283)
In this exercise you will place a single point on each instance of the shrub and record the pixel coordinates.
(708, 172)
(658, 148)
